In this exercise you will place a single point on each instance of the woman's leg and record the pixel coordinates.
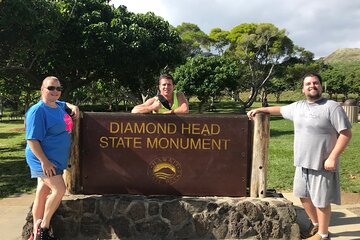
(42, 191)
(58, 189)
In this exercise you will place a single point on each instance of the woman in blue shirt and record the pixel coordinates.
(48, 136)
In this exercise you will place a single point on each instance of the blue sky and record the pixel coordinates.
(320, 26)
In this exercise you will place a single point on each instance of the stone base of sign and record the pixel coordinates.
(171, 217)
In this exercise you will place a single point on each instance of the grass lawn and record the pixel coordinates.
(281, 169)
(14, 172)
(15, 175)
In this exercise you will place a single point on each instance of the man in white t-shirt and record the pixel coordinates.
(321, 133)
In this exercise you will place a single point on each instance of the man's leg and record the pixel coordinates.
(324, 190)
(42, 191)
(324, 216)
(310, 209)
(57, 186)
(301, 190)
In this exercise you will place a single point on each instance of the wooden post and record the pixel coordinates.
(261, 135)
(72, 173)
(352, 113)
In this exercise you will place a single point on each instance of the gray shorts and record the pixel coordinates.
(322, 187)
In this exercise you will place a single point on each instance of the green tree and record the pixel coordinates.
(205, 77)
(80, 53)
(342, 78)
(288, 74)
(154, 45)
(335, 82)
(276, 86)
(219, 39)
(107, 94)
(260, 47)
(352, 80)
(28, 29)
(84, 41)
(194, 40)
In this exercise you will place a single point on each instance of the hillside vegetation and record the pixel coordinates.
(343, 55)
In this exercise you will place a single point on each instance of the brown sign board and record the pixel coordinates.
(149, 154)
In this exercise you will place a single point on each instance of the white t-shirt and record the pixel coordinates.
(316, 129)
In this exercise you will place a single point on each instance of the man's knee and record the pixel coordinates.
(325, 209)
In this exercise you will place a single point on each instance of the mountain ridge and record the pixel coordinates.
(343, 55)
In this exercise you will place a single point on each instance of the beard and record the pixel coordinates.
(314, 97)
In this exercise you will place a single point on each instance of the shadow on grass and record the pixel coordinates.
(276, 118)
(15, 184)
(277, 133)
(9, 159)
(217, 107)
(16, 148)
(8, 135)
(15, 176)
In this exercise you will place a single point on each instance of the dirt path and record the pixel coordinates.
(350, 198)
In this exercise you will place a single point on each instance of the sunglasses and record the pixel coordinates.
(52, 88)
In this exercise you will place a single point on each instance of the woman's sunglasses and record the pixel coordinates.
(52, 88)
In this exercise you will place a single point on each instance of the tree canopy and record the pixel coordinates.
(260, 47)
(194, 39)
(84, 41)
(206, 77)
(113, 55)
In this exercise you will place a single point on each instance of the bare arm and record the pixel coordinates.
(272, 110)
(150, 105)
(183, 105)
(74, 110)
(341, 143)
(47, 166)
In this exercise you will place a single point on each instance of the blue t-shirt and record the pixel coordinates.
(52, 128)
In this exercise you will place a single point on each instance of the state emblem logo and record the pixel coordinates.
(165, 170)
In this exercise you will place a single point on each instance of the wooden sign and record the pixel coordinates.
(194, 155)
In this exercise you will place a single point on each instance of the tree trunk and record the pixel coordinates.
(201, 107)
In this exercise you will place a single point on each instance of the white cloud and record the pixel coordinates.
(318, 26)
(135, 6)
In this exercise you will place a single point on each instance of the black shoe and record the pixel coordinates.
(44, 234)
(311, 231)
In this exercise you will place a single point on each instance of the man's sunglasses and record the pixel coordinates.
(52, 88)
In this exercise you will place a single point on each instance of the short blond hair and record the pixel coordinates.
(49, 78)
